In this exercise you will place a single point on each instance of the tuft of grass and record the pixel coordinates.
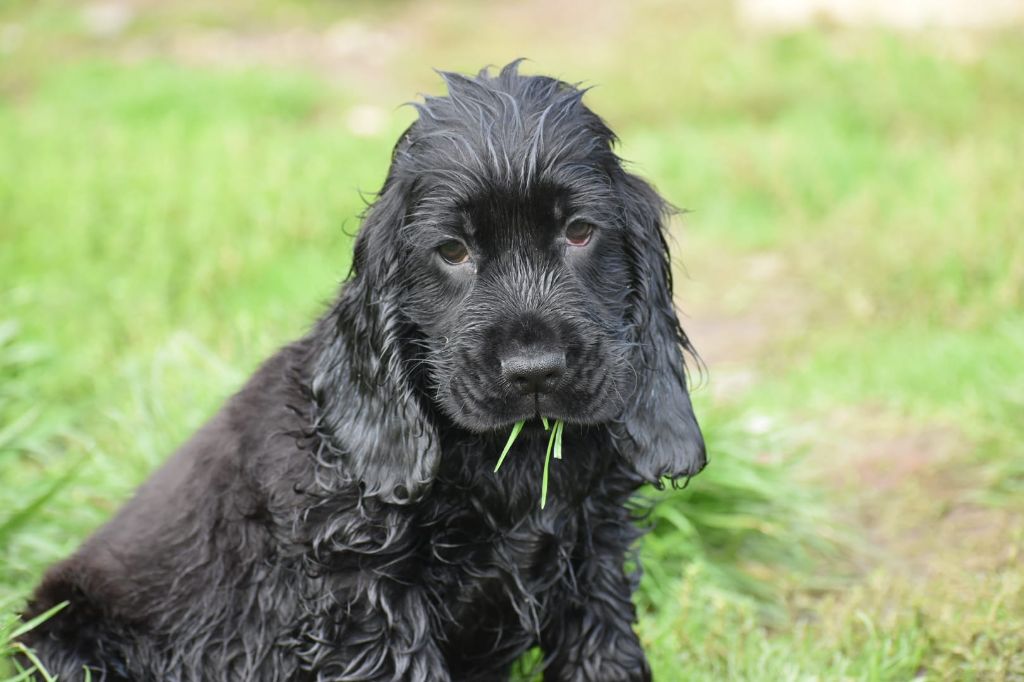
(27, 436)
(749, 520)
(11, 628)
(554, 447)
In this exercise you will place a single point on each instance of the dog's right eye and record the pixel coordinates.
(454, 252)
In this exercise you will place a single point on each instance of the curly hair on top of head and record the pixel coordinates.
(341, 517)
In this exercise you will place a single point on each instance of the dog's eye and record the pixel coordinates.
(579, 233)
(453, 252)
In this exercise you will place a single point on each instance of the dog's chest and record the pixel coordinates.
(490, 575)
(469, 552)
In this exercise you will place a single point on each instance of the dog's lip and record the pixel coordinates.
(533, 416)
(536, 423)
(529, 422)
(531, 411)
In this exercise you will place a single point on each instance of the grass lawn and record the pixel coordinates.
(179, 186)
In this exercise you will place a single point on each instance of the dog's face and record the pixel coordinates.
(519, 290)
(510, 269)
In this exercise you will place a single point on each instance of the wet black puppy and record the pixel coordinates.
(339, 518)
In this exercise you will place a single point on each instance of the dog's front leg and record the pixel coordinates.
(589, 636)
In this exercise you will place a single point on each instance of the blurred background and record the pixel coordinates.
(180, 183)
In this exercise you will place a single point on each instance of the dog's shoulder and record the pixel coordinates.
(212, 489)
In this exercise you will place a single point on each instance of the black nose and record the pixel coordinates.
(533, 371)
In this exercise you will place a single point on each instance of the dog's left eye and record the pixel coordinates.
(453, 252)
(579, 233)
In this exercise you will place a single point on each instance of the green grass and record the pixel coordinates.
(554, 449)
(165, 224)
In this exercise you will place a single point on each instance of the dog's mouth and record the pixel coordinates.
(500, 414)
(533, 425)
(534, 410)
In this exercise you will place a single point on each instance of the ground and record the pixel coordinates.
(908, 489)
(178, 189)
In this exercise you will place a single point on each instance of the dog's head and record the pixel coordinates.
(511, 269)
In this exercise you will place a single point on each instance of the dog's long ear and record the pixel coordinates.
(361, 383)
(662, 438)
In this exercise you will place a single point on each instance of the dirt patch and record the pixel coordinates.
(364, 52)
(736, 308)
(877, 451)
(906, 488)
(907, 15)
(351, 52)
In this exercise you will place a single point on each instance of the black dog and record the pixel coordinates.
(340, 517)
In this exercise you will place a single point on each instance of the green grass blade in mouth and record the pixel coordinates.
(559, 428)
(554, 449)
(508, 446)
(547, 465)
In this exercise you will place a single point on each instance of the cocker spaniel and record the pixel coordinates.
(340, 518)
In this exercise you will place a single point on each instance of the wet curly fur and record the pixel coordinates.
(339, 518)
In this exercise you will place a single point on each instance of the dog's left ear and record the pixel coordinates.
(661, 436)
(362, 385)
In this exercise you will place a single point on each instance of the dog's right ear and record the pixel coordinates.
(366, 402)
